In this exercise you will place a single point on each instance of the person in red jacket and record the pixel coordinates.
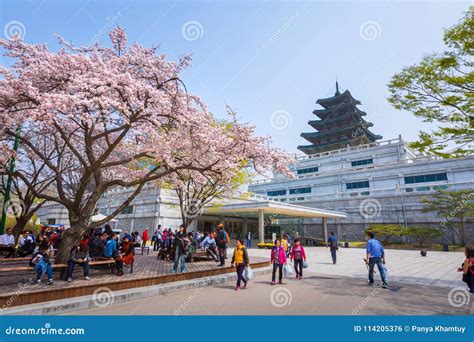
(144, 237)
(299, 256)
(278, 259)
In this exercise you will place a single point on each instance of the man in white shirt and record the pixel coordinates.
(7, 243)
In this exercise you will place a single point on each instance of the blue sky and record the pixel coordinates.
(269, 60)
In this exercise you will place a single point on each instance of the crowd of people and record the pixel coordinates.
(178, 246)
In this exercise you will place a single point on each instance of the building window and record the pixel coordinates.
(357, 185)
(434, 177)
(362, 162)
(276, 193)
(51, 221)
(127, 210)
(306, 190)
(308, 170)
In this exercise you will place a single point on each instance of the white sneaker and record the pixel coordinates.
(87, 278)
(69, 279)
(38, 281)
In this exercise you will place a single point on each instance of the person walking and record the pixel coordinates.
(375, 255)
(180, 249)
(241, 261)
(277, 259)
(298, 254)
(221, 241)
(249, 240)
(79, 255)
(332, 245)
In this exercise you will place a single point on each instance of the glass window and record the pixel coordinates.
(307, 170)
(276, 193)
(306, 190)
(426, 178)
(128, 210)
(362, 162)
(357, 185)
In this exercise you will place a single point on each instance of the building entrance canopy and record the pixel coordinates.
(258, 209)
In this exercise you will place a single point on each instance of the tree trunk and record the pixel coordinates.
(69, 239)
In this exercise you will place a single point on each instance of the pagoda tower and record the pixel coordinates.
(341, 124)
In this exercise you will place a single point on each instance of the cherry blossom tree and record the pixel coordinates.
(112, 117)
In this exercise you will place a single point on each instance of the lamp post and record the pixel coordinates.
(11, 168)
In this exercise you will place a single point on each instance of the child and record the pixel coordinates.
(278, 259)
(467, 268)
(298, 254)
(241, 260)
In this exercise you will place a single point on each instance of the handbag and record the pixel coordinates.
(287, 271)
(248, 273)
(305, 264)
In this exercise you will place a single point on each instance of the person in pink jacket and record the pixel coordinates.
(298, 255)
(278, 259)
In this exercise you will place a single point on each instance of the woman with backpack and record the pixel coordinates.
(299, 256)
(467, 268)
(277, 259)
(241, 261)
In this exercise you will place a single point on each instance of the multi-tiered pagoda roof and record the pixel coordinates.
(341, 124)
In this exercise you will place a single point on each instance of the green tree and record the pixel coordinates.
(388, 231)
(455, 207)
(440, 89)
(423, 234)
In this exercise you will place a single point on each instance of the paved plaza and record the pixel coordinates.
(314, 295)
(404, 266)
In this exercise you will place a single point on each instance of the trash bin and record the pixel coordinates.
(346, 244)
(445, 247)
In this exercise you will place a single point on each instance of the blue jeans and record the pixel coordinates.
(43, 267)
(372, 262)
(70, 268)
(176, 261)
(333, 255)
(249, 243)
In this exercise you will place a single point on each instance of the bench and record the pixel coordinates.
(200, 255)
(144, 248)
(15, 259)
(60, 267)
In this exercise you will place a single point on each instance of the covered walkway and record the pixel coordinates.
(258, 208)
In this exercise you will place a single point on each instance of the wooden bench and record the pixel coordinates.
(60, 267)
(14, 259)
(144, 248)
(200, 255)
